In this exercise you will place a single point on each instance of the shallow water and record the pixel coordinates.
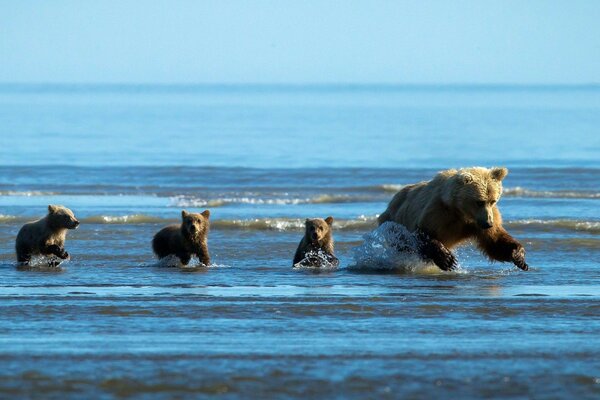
(111, 322)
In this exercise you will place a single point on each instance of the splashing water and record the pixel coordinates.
(391, 247)
(173, 261)
(318, 260)
(43, 262)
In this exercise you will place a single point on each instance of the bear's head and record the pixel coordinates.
(477, 190)
(194, 225)
(60, 217)
(318, 231)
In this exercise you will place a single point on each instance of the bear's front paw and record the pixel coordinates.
(518, 257)
(446, 260)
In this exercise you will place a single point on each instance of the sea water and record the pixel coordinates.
(112, 322)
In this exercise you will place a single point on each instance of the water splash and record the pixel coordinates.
(318, 260)
(41, 262)
(391, 247)
(173, 261)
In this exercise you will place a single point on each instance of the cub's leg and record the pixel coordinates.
(56, 250)
(23, 254)
(203, 255)
(184, 258)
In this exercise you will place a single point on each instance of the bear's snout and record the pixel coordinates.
(75, 224)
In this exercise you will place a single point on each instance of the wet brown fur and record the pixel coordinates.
(185, 240)
(455, 206)
(46, 236)
(317, 237)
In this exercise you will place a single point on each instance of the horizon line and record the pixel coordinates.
(307, 84)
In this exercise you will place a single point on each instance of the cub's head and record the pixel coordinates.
(194, 225)
(318, 231)
(60, 217)
(477, 192)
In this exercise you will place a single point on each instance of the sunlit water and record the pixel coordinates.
(114, 322)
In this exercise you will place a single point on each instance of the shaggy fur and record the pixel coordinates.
(46, 236)
(317, 237)
(456, 205)
(185, 240)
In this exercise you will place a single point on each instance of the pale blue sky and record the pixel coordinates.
(300, 41)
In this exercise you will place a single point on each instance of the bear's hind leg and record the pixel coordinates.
(434, 250)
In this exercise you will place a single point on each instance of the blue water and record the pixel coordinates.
(112, 323)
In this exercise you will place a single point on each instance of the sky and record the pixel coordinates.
(295, 42)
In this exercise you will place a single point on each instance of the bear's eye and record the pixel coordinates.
(480, 203)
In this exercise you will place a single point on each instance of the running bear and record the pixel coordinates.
(456, 205)
(185, 240)
(46, 236)
(316, 247)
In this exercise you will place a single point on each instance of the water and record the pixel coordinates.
(111, 322)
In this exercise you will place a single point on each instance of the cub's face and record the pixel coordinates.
(62, 217)
(317, 229)
(482, 190)
(194, 225)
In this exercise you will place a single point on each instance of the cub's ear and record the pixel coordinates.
(465, 177)
(52, 208)
(499, 173)
(206, 214)
(184, 214)
(329, 220)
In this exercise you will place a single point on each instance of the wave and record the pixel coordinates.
(26, 193)
(190, 201)
(124, 219)
(518, 191)
(291, 224)
(555, 224)
(284, 224)
(566, 194)
(257, 196)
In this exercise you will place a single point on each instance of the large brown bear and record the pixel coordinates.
(316, 247)
(46, 236)
(185, 240)
(454, 206)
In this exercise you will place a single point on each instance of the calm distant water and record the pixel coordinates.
(111, 323)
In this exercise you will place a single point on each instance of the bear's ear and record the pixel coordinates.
(184, 214)
(52, 208)
(329, 220)
(499, 173)
(465, 177)
(206, 214)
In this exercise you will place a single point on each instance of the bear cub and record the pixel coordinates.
(316, 247)
(185, 240)
(46, 236)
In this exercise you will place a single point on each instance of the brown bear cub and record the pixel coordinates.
(316, 247)
(185, 240)
(46, 236)
(455, 206)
